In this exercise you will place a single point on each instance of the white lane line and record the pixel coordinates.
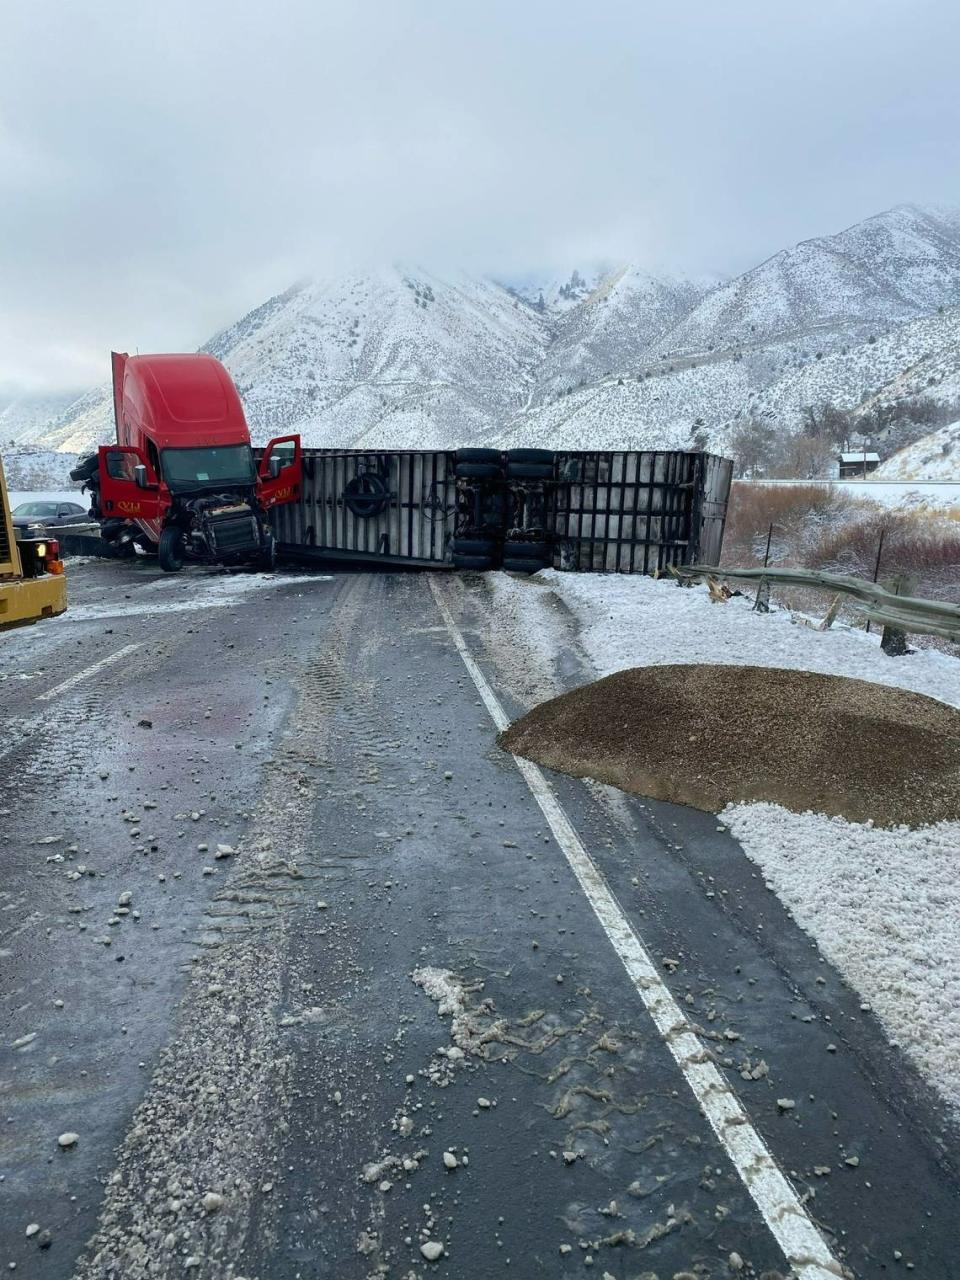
(803, 1246)
(86, 673)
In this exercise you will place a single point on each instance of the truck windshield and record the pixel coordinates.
(186, 469)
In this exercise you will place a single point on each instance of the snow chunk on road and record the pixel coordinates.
(450, 995)
(884, 908)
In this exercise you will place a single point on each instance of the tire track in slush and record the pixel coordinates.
(212, 1117)
(801, 1242)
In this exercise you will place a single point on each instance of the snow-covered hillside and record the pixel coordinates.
(29, 469)
(398, 355)
(26, 417)
(894, 266)
(613, 326)
(935, 457)
(404, 357)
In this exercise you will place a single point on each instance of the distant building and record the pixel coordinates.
(856, 465)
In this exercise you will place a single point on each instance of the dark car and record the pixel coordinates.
(48, 515)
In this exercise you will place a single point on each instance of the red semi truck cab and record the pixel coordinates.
(182, 480)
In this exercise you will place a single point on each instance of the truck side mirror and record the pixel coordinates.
(274, 466)
(140, 475)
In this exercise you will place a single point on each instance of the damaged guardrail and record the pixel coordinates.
(895, 613)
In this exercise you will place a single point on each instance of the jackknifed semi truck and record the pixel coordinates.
(183, 482)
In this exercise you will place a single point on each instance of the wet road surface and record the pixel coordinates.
(289, 945)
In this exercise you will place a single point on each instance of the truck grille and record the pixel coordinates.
(234, 533)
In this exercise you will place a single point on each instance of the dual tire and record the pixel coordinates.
(488, 464)
(478, 464)
(473, 553)
(530, 464)
(526, 557)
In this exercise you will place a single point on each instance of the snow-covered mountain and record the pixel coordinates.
(624, 315)
(395, 356)
(24, 417)
(596, 357)
(892, 267)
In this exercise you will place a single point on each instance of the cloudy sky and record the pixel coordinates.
(166, 165)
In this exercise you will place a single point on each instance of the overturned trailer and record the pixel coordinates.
(518, 509)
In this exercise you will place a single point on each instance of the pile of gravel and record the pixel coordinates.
(710, 735)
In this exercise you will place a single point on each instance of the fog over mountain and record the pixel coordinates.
(407, 357)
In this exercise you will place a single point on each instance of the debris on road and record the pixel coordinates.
(718, 735)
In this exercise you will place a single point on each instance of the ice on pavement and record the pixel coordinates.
(198, 592)
(882, 905)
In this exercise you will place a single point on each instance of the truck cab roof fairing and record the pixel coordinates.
(178, 399)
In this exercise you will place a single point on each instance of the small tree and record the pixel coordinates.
(752, 444)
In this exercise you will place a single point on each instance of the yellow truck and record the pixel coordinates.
(32, 584)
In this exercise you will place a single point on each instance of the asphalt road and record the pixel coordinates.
(387, 1015)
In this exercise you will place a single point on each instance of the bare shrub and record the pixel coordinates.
(919, 544)
(800, 514)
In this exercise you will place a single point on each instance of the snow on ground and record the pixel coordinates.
(632, 621)
(934, 457)
(882, 905)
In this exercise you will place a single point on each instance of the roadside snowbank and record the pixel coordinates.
(882, 905)
(635, 622)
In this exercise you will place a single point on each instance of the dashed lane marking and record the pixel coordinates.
(804, 1247)
(86, 673)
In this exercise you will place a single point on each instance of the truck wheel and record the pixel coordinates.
(268, 556)
(473, 546)
(522, 566)
(170, 550)
(528, 550)
(529, 470)
(478, 470)
(542, 456)
(492, 456)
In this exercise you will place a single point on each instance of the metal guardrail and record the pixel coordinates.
(910, 614)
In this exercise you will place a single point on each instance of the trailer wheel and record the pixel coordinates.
(491, 456)
(520, 565)
(529, 470)
(542, 456)
(528, 551)
(478, 470)
(170, 550)
(473, 547)
(268, 556)
(472, 562)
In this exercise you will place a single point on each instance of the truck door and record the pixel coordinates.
(120, 495)
(281, 471)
